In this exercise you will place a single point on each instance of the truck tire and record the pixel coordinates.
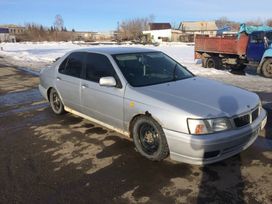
(210, 62)
(214, 62)
(204, 62)
(149, 138)
(267, 68)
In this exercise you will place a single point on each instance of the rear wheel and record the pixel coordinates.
(149, 138)
(267, 68)
(55, 102)
(214, 62)
(210, 62)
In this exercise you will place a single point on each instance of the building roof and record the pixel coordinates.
(198, 26)
(159, 26)
(11, 26)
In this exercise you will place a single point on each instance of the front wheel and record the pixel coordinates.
(267, 68)
(149, 138)
(55, 102)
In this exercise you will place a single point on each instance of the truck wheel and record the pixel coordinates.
(267, 68)
(204, 62)
(210, 62)
(149, 138)
(214, 62)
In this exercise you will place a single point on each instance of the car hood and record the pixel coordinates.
(201, 97)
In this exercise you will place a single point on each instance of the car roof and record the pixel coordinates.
(116, 50)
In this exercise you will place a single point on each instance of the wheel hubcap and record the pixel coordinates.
(56, 101)
(210, 64)
(269, 68)
(149, 138)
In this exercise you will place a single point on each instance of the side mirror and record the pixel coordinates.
(107, 81)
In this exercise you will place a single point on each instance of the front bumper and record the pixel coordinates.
(206, 149)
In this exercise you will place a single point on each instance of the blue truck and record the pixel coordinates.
(253, 46)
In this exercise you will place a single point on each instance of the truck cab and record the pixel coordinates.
(265, 66)
(259, 41)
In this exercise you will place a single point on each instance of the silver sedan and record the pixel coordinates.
(146, 95)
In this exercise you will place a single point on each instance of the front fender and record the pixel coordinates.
(172, 120)
(267, 54)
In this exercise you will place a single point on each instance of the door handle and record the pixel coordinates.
(84, 86)
(58, 78)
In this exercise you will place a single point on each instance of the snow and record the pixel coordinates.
(34, 56)
(44, 51)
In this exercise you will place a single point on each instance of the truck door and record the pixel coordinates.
(256, 46)
(268, 38)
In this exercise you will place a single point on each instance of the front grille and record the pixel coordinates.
(242, 120)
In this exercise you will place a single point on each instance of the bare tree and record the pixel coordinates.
(255, 22)
(58, 23)
(224, 21)
(132, 29)
(36, 32)
(269, 22)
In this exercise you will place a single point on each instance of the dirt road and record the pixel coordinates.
(46, 158)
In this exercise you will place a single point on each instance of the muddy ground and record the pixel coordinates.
(46, 158)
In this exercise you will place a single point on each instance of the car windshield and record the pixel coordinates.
(150, 68)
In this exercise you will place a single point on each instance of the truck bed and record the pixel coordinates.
(221, 45)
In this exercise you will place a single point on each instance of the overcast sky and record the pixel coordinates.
(103, 15)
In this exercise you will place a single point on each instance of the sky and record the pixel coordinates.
(103, 15)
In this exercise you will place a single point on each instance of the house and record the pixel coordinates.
(84, 36)
(192, 28)
(93, 36)
(5, 36)
(157, 35)
(163, 35)
(14, 29)
(104, 36)
(166, 35)
(158, 32)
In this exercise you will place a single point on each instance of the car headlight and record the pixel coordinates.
(207, 126)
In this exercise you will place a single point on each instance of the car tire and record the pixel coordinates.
(149, 138)
(267, 68)
(55, 102)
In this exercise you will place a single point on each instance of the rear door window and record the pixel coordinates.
(73, 65)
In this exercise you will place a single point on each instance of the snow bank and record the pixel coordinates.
(36, 55)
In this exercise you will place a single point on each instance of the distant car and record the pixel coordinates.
(150, 97)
